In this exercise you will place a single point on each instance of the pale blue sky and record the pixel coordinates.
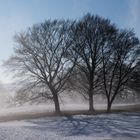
(17, 15)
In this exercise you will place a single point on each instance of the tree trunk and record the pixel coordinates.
(109, 104)
(56, 103)
(91, 108)
(109, 107)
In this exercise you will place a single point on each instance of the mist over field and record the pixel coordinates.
(71, 101)
(70, 70)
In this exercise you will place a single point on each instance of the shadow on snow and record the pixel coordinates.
(112, 125)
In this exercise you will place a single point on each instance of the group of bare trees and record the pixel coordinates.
(90, 55)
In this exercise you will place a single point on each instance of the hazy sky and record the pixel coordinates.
(17, 15)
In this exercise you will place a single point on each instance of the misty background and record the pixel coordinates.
(17, 15)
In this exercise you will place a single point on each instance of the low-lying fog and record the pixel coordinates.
(70, 102)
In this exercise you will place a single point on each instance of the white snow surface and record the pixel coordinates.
(116, 126)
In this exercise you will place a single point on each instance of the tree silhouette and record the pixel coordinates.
(40, 59)
(119, 60)
(90, 34)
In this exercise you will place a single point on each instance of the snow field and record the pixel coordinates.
(119, 126)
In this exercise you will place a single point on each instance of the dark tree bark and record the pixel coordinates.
(118, 63)
(56, 102)
(91, 108)
(40, 60)
(90, 34)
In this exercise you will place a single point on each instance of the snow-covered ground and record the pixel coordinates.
(119, 126)
(79, 127)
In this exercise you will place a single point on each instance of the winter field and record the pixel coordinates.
(37, 123)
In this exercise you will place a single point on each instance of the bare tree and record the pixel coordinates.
(118, 60)
(134, 82)
(90, 34)
(40, 60)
